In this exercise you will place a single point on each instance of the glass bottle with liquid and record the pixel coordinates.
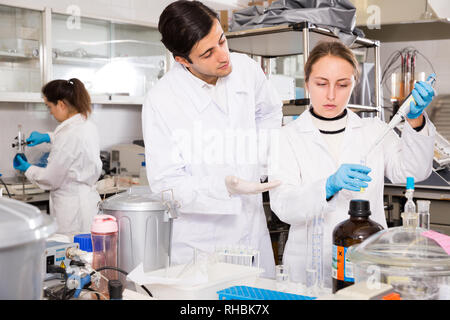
(409, 214)
(423, 208)
(346, 234)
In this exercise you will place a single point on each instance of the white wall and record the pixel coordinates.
(116, 124)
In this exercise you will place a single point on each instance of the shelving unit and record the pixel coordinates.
(296, 39)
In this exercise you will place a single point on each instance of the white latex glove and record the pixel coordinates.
(236, 185)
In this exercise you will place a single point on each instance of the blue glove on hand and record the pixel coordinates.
(36, 138)
(348, 176)
(20, 163)
(423, 93)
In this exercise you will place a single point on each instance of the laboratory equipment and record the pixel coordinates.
(126, 158)
(409, 214)
(104, 231)
(56, 255)
(20, 144)
(314, 267)
(238, 254)
(349, 233)
(414, 263)
(397, 118)
(23, 232)
(282, 277)
(252, 293)
(424, 213)
(84, 241)
(115, 290)
(199, 284)
(145, 226)
(441, 152)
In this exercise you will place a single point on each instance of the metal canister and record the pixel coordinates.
(145, 227)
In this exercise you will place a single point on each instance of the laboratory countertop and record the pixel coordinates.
(260, 282)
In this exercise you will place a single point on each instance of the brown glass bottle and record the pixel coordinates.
(347, 233)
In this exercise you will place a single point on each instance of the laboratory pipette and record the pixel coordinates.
(398, 117)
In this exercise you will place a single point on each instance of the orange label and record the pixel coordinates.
(340, 262)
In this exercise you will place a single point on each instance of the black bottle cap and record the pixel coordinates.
(359, 208)
(115, 289)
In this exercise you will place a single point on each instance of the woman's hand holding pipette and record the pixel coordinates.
(423, 94)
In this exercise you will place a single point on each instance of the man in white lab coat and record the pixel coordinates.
(205, 124)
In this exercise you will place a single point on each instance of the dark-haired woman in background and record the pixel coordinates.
(74, 164)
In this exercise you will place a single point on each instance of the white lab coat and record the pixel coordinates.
(189, 148)
(73, 168)
(305, 164)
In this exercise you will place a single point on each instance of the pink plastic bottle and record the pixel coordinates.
(104, 231)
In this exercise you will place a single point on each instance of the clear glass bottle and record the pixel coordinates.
(423, 207)
(409, 214)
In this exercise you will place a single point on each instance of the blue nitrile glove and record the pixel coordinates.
(348, 176)
(36, 138)
(423, 93)
(20, 164)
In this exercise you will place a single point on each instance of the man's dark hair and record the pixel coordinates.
(183, 23)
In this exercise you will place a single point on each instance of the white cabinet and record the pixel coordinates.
(20, 52)
(117, 62)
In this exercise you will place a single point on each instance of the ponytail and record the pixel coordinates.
(72, 92)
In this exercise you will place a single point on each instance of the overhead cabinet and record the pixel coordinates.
(20, 52)
(117, 62)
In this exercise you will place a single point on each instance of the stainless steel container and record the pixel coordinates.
(145, 227)
(23, 232)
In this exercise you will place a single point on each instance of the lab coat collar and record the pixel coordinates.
(194, 86)
(71, 121)
(305, 123)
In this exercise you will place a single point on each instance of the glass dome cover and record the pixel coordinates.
(402, 247)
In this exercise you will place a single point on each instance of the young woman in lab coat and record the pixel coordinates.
(319, 156)
(193, 120)
(74, 164)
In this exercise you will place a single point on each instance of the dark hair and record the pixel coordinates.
(331, 48)
(183, 23)
(72, 92)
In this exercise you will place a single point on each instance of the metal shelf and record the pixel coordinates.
(80, 61)
(296, 39)
(283, 40)
(6, 56)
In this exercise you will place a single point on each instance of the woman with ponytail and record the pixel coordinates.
(74, 164)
